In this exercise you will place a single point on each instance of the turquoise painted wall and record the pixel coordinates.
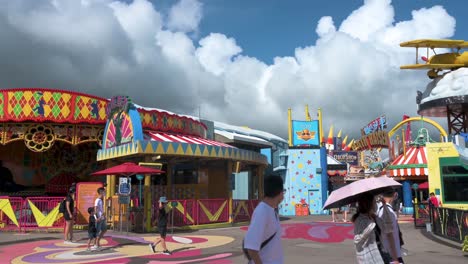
(304, 181)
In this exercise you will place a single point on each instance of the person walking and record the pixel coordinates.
(92, 231)
(101, 224)
(365, 237)
(162, 227)
(262, 242)
(68, 215)
(390, 231)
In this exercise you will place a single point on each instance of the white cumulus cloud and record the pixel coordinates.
(108, 47)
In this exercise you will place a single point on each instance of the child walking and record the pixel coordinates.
(162, 227)
(92, 231)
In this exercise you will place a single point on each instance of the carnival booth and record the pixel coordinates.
(410, 168)
(198, 170)
(48, 141)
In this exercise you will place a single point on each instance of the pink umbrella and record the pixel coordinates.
(351, 192)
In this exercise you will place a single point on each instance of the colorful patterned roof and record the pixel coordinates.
(59, 106)
(414, 163)
(49, 105)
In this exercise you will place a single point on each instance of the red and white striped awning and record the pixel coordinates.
(413, 164)
(163, 137)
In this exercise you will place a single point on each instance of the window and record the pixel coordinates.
(185, 174)
(455, 188)
(454, 170)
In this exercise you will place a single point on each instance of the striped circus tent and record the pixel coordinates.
(414, 163)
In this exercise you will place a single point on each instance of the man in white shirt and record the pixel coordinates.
(390, 231)
(101, 225)
(263, 238)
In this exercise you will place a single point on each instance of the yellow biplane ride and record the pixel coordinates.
(438, 62)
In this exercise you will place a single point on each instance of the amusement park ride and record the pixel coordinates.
(452, 106)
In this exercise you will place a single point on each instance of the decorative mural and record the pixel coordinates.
(161, 121)
(124, 124)
(306, 133)
(306, 181)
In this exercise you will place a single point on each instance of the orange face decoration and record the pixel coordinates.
(305, 134)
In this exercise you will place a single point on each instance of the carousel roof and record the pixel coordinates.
(414, 163)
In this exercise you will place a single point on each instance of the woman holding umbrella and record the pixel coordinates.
(365, 242)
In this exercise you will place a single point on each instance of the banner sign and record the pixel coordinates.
(380, 123)
(350, 157)
(306, 132)
(377, 139)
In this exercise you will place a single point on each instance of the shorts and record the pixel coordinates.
(67, 216)
(162, 231)
(101, 226)
(92, 235)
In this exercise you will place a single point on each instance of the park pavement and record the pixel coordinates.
(311, 239)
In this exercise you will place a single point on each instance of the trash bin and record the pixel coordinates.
(298, 209)
(138, 220)
(305, 209)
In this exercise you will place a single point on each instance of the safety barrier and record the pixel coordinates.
(450, 223)
(212, 211)
(242, 210)
(33, 213)
(23, 214)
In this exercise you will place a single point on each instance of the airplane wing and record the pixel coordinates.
(435, 43)
(432, 66)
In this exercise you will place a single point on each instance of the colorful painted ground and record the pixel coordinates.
(322, 232)
(118, 250)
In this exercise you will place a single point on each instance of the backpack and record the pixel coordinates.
(246, 253)
(62, 206)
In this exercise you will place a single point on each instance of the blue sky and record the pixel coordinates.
(269, 28)
(242, 62)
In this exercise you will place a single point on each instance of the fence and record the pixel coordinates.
(449, 223)
(23, 214)
(421, 214)
(33, 213)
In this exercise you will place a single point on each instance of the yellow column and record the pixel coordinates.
(307, 113)
(290, 139)
(109, 183)
(403, 140)
(319, 113)
(148, 201)
(229, 173)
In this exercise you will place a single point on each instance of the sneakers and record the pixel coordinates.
(68, 242)
(152, 248)
(95, 247)
(167, 252)
(91, 249)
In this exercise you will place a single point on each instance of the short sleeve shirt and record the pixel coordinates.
(99, 204)
(264, 224)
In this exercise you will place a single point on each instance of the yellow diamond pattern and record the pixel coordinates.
(65, 111)
(85, 111)
(27, 110)
(26, 95)
(102, 112)
(47, 96)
